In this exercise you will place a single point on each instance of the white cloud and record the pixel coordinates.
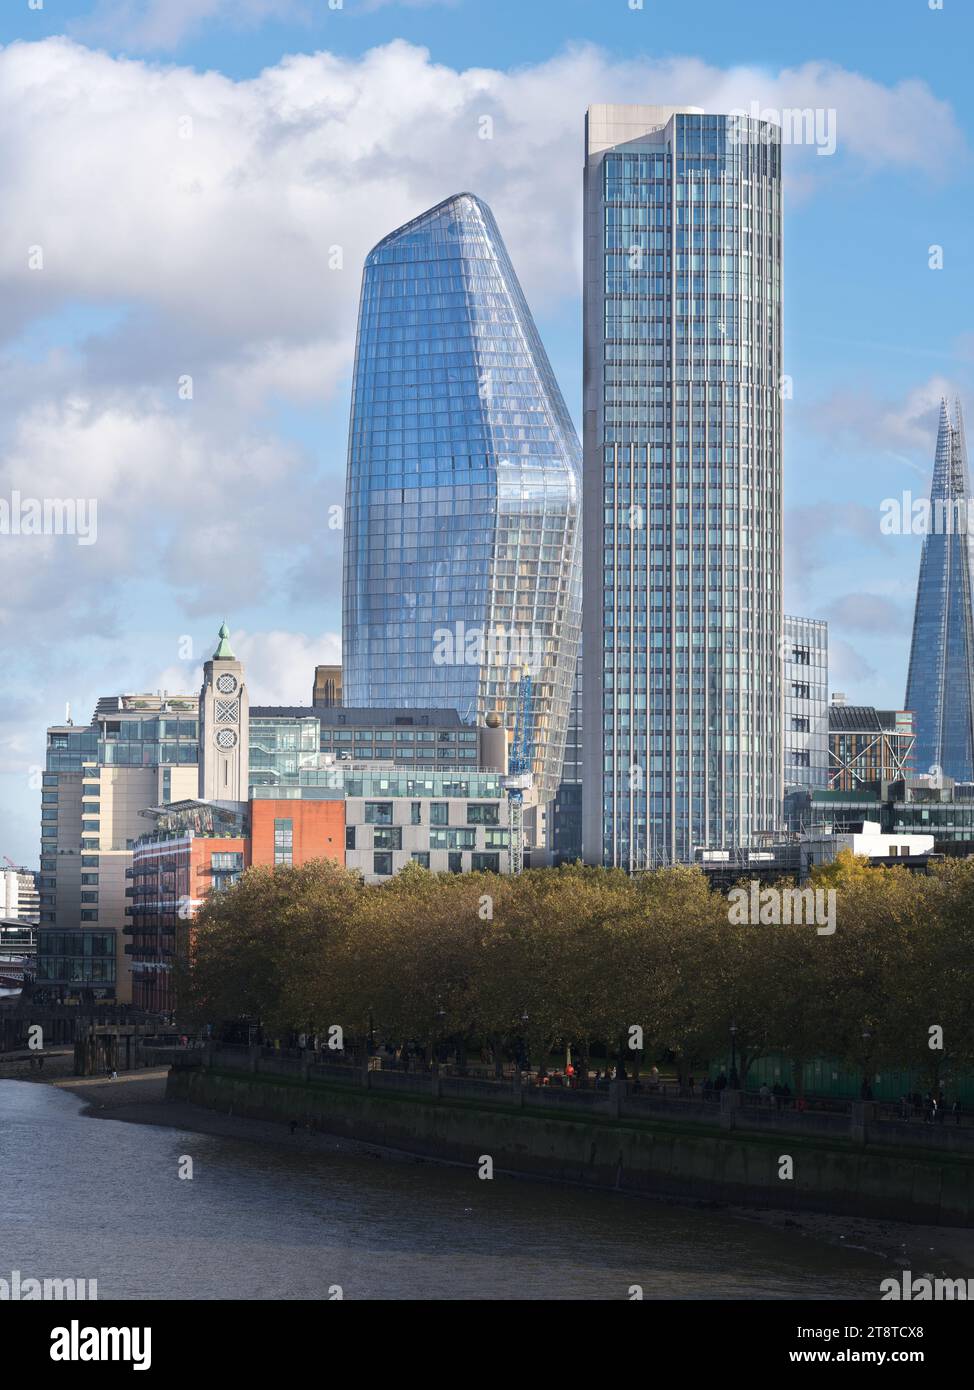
(903, 429)
(849, 670)
(230, 231)
(151, 25)
(279, 666)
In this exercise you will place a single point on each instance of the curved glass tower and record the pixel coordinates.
(462, 504)
(940, 683)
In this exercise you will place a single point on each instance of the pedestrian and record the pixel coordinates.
(114, 1074)
(955, 1111)
(690, 1083)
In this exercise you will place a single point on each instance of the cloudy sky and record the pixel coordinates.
(190, 187)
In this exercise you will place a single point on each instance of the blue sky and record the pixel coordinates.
(204, 251)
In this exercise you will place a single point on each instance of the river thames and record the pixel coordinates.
(102, 1199)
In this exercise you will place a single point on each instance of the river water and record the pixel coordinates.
(102, 1199)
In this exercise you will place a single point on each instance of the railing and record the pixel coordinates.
(821, 1118)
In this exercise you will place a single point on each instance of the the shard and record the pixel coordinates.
(940, 683)
(463, 493)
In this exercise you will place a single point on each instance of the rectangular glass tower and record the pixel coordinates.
(682, 617)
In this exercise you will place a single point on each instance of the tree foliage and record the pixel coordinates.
(575, 956)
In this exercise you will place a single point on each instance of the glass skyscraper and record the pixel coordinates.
(682, 717)
(940, 682)
(462, 542)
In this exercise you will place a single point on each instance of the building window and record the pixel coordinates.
(350, 837)
(455, 863)
(378, 813)
(483, 813)
(387, 837)
(421, 857)
(229, 860)
(799, 724)
(283, 842)
(439, 813)
(486, 863)
(416, 813)
(382, 863)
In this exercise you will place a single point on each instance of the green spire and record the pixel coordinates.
(224, 651)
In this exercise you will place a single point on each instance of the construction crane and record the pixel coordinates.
(519, 778)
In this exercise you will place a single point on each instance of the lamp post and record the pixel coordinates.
(866, 1088)
(733, 1078)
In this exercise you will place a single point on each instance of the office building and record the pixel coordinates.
(327, 688)
(682, 717)
(868, 745)
(940, 681)
(19, 895)
(564, 814)
(462, 561)
(138, 751)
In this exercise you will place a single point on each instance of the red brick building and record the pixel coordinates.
(202, 847)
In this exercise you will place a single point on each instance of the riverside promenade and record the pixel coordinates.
(862, 1122)
(731, 1151)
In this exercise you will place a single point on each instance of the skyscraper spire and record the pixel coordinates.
(940, 683)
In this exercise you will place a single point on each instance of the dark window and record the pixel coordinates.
(421, 858)
(455, 863)
(382, 863)
(486, 863)
(378, 813)
(387, 837)
(350, 837)
(439, 813)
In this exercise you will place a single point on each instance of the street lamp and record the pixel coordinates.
(866, 1088)
(733, 1070)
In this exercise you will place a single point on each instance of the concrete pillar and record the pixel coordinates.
(730, 1104)
(862, 1112)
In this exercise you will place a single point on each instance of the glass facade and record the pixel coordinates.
(357, 782)
(806, 703)
(940, 683)
(682, 720)
(462, 551)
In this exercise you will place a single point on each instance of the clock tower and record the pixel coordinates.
(224, 726)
